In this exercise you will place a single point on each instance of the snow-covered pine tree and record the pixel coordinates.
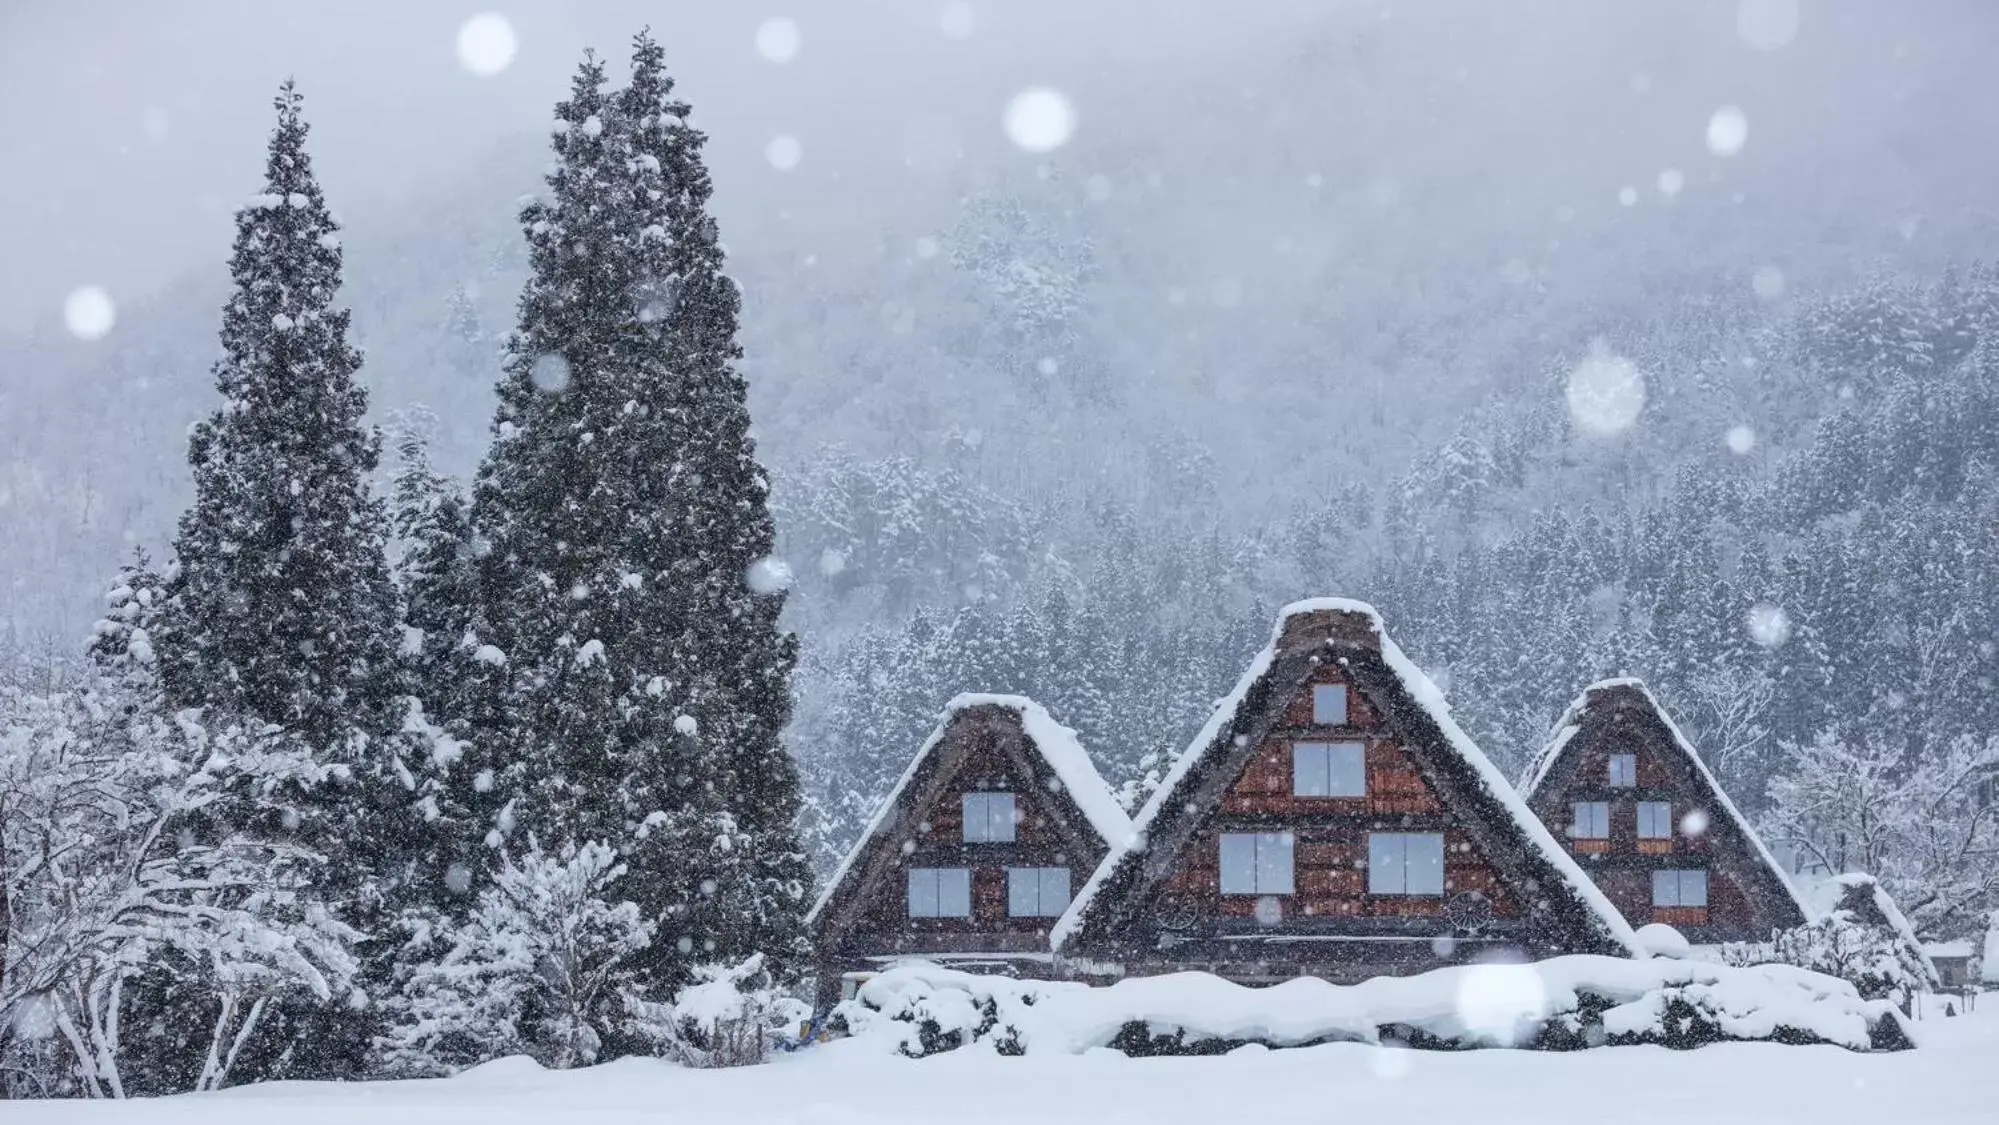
(121, 643)
(283, 611)
(434, 567)
(628, 613)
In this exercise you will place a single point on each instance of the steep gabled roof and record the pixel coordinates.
(1416, 711)
(1054, 743)
(1631, 695)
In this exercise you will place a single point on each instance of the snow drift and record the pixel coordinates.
(1564, 1003)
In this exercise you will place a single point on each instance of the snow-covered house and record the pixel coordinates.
(1640, 811)
(974, 853)
(1332, 820)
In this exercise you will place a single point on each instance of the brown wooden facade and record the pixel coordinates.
(1666, 814)
(868, 916)
(1504, 888)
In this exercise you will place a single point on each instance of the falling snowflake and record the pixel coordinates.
(1741, 439)
(1269, 910)
(88, 313)
(955, 19)
(784, 152)
(486, 44)
(778, 40)
(1671, 181)
(1605, 393)
(1039, 119)
(1500, 1001)
(1727, 130)
(458, 878)
(1627, 196)
(686, 724)
(926, 247)
(832, 561)
(1694, 823)
(549, 373)
(1769, 625)
(1047, 365)
(1767, 25)
(1768, 283)
(769, 575)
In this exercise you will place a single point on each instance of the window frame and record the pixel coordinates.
(1679, 879)
(1577, 825)
(1324, 691)
(984, 800)
(1389, 851)
(1611, 771)
(1041, 879)
(1263, 872)
(1349, 752)
(1653, 807)
(936, 877)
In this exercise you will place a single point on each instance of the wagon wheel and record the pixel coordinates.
(1468, 912)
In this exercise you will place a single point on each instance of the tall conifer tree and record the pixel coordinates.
(625, 520)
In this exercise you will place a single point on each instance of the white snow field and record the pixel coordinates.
(1950, 1078)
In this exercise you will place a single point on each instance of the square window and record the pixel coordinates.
(1655, 820)
(1329, 705)
(940, 892)
(989, 818)
(1328, 769)
(1257, 863)
(1037, 892)
(1679, 888)
(1405, 863)
(1623, 770)
(1591, 820)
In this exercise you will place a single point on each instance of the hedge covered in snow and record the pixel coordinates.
(1565, 1003)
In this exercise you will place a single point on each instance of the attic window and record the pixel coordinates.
(1405, 863)
(1623, 771)
(1257, 863)
(1037, 892)
(1328, 769)
(1329, 705)
(989, 818)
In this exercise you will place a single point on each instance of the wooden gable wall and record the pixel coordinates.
(1743, 904)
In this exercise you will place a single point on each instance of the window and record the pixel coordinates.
(1623, 770)
(940, 892)
(1405, 863)
(1329, 705)
(1257, 863)
(1655, 820)
(1679, 888)
(1328, 769)
(1591, 821)
(1037, 892)
(989, 818)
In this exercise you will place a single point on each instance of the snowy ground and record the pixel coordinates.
(1950, 1079)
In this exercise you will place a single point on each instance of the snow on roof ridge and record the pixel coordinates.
(1057, 745)
(1425, 693)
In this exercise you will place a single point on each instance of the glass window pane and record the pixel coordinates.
(954, 893)
(1384, 863)
(1623, 770)
(1665, 888)
(1583, 821)
(1273, 863)
(1693, 888)
(1423, 864)
(922, 892)
(1054, 890)
(1309, 770)
(975, 817)
(1023, 892)
(1329, 704)
(1238, 863)
(1655, 820)
(1000, 818)
(1346, 769)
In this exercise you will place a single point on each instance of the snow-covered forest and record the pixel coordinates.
(485, 635)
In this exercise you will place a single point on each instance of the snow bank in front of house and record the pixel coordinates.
(1559, 1004)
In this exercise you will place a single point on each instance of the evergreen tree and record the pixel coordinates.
(434, 570)
(283, 614)
(628, 600)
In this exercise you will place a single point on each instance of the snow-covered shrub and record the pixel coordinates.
(542, 966)
(729, 1016)
(1858, 937)
(1565, 1003)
